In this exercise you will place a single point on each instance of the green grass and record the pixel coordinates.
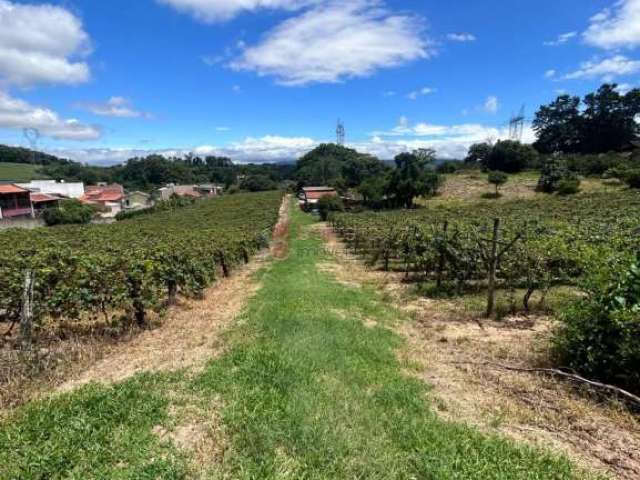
(20, 172)
(305, 391)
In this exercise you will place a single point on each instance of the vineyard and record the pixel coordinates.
(119, 272)
(520, 245)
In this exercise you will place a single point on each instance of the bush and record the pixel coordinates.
(568, 186)
(450, 166)
(632, 178)
(554, 171)
(69, 212)
(497, 179)
(599, 336)
(326, 205)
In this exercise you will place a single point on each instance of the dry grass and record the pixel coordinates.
(444, 347)
(470, 186)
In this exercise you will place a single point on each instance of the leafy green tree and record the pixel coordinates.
(497, 179)
(373, 190)
(413, 177)
(554, 172)
(478, 153)
(258, 183)
(558, 126)
(511, 157)
(328, 204)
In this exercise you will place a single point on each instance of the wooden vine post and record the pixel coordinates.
(493, 265)
(26, 314)
(442, 258)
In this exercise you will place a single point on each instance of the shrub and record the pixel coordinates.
(326, 205)
(69, 212)
(554, 171)
(568, 186)
(599, 336)
(632, 178)
(497, 179)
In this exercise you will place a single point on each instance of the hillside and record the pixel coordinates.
(20, 172)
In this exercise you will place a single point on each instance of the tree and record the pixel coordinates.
(373, 190)
(478, 153)
(603, 122)
(258, 183)
(497, 179)
(413, 177)
(328, 204)
(510, 157)
(558, 126)
(337, 166)
(554, 172)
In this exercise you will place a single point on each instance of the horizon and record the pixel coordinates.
(103, 83)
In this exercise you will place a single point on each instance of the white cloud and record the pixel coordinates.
(220, 10)
(562, 38)
(236, 89)
(606, 69)
(619, 28)
(18, 114)
(331, 43)
(624, 88)
(223, 129)
(421, 92)
(41, 44)
(461, 37)
(550, 73)
(118, 107)
(491, 105)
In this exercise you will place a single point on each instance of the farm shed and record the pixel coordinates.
(15, 201)
(137, 201)
(41, 201)
(310, 196)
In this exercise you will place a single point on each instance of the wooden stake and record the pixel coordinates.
(493, 265)
(26, 314)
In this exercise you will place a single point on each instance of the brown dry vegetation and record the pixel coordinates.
(446, 348)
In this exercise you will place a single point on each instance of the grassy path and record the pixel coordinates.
(310, 388)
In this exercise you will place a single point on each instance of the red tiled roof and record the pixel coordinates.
(99, 197)
(43, 197)
(319, 195)
(114, 188)
(318, 189)
(11, 188)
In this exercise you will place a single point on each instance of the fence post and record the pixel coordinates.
(441, 259)
(173, 292)
(26, 314)
(493, 265)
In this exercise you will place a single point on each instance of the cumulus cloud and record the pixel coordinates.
(615, 28)
(219, 10)
(118, 107)
(41, 44)
(562, 38)
(550, 73)
(333, 42)
(461, 37)
(421, 92)
(606, 69)
(18, 114)
(491, 105)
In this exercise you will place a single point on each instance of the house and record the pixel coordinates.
(210, 190)
(51, 187)
(137, 201)
(15, 202)
(165, 193)
(41, 201)
(310, 196)
(109, 197)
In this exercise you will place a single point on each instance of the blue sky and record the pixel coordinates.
(264, 80)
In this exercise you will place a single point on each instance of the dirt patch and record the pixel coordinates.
(444, 347)
(280, 238)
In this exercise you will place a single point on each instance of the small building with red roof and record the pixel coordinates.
(310, 196)
(109, 197)
(15, 201)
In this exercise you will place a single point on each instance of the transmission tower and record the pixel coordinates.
(32, 135)
(340, 133)
(516, 126)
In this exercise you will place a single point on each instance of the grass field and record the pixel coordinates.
(20, 172)
(310, 387)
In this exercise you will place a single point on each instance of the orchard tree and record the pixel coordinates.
(558, 126)
(497, 179)
(478, 153)
(511, 157)
(413, 177)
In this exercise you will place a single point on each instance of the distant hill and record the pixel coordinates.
(20, 172)
(24, 155)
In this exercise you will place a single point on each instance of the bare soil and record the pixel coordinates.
(446, 348)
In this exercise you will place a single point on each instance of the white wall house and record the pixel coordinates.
(64, 189)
